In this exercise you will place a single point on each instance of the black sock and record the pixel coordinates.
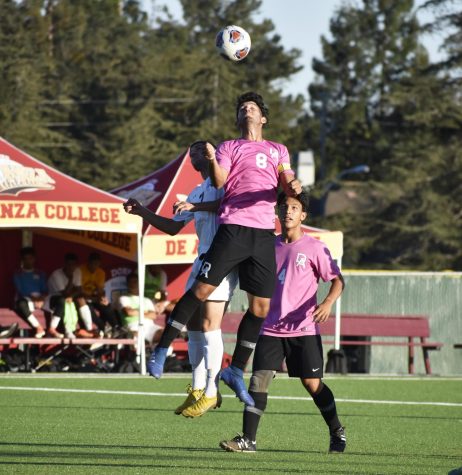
(247, 336)
(252, 415)
(180, 316)
(326, 404)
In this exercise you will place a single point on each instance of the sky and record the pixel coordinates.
(300, 23)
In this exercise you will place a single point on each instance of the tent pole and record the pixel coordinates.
(338, 314)
(141, 346)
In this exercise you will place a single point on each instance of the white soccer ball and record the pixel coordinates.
(233, 43)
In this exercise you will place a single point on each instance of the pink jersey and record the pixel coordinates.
(300, 265)
(251, 186)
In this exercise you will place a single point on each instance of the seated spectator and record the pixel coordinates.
(93, 280)
(155, 281)
(31, 291)
(130, 305)
(65, 290)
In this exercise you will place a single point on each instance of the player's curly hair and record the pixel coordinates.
(253, 97)
(303, 198)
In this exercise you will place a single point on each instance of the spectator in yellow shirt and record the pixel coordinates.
(93, 280)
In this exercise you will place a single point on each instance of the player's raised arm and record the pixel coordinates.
(218, 174)
(290, 185)
(166, 225)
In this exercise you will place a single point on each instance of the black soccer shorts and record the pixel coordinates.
(251, 250)
(303, 355)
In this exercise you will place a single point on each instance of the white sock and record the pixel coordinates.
(32, 319)
(55, 321)
(85, 314)
(213, 354)
(196, 358)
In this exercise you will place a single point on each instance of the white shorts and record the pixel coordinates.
(224, 291)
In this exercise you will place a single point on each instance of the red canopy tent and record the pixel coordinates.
(43, 207)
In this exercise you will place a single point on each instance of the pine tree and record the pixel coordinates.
(404, 122)
(22, 61)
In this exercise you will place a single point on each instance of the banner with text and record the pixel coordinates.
(68, 215)
(118, 244)
(164, 249)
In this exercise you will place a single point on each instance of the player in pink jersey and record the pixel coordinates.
(291, 330)
(250, 169)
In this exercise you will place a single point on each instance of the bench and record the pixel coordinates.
(410, 327)
(8, 317)
(407, 326)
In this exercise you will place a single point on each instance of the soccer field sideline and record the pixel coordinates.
(170, 394)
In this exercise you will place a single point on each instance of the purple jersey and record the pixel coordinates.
(300, 265)
(251, 186)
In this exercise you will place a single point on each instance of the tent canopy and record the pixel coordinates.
(38, 202)
(33, 194)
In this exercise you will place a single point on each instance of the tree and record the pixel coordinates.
(22, 64)
(372, 48)
(381, 103)
(213, 83)
(107, 95)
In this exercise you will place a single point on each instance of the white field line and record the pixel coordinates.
(330, 377)
(283, 398)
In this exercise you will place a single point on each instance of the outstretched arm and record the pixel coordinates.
(323, 311)
(211, 206)
(166, 225)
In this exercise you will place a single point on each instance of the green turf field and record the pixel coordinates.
(100, 424)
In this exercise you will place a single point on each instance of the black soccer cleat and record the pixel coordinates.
(337, 441)
(240, 443)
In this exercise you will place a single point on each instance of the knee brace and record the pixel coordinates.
(260, 380)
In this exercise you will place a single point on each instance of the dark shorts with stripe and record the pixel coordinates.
(251, 250)
(303, 355)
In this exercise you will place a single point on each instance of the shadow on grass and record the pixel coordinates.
(130, 447)
(223, 411)
(214, 450)
(165, 462)
(166, 467)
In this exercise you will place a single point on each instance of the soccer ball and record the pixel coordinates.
(233, 43)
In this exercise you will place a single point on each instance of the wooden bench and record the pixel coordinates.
(410, 327)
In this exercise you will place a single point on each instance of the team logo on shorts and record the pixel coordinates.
(206, 266)
(301, 260)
